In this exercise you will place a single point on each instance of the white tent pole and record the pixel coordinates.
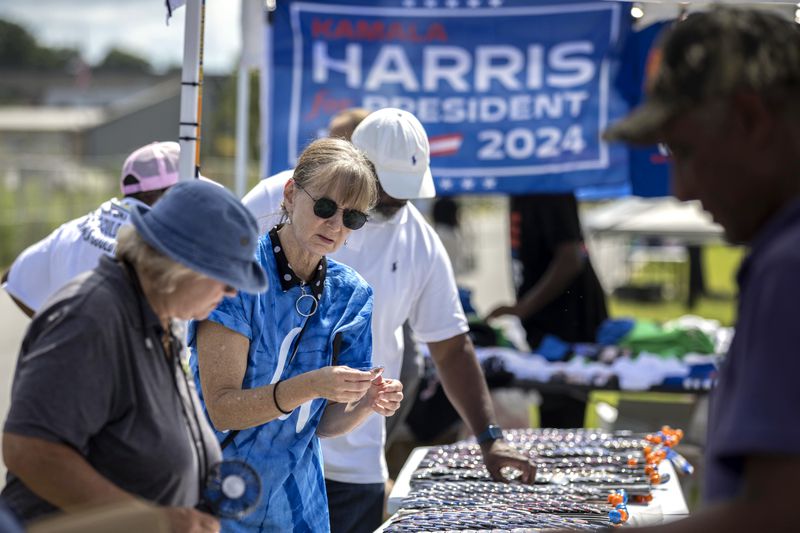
(191, 81)
(242, 127)
(266, 94)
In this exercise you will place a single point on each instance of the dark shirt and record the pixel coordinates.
(8, 522)
(540, 223)
(92, 375)
(753, 409)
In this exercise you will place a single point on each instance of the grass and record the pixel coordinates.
(38, 202)
(720, 264)
(34, 209)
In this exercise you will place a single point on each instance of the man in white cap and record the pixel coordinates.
(402, 258)
(76, 246)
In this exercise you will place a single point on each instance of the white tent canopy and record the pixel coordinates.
(611, 227)
(646, 217)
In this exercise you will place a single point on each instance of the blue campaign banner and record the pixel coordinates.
(649, 166)
(513, 94)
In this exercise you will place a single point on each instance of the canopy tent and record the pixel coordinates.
(613, 227)
(645, 217)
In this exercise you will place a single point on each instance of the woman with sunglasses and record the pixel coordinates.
(280, 369)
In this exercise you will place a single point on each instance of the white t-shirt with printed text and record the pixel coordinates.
(73, 248)
(410, 273)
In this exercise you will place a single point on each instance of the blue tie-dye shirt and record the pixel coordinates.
(286, 451)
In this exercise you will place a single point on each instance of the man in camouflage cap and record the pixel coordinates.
(724, 97)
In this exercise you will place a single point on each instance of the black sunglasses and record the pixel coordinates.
(326, 208)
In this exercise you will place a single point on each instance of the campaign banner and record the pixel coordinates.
(513, 94)
(649, 166)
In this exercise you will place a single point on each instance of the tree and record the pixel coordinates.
(19, 50)
(124, 61)
(220, 122)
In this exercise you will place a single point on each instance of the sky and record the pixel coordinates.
(94, 26)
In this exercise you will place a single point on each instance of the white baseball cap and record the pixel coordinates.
(396, 143)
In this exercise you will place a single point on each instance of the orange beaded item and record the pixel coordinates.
(655, 439)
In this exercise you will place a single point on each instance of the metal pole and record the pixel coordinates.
(266, 93)
(191, 82)
(242, 127)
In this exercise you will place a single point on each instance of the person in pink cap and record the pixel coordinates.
(76, 246)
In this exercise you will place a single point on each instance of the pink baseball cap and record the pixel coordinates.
(151, 167)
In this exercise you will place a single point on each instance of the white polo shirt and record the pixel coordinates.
(73, 248)
(410, 273)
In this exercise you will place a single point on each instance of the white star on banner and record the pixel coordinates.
(489, 183)
(446, 184)
(495, 3)
(474, 3)
(409, 3)
(431, 3)
(451, 3)
(468, 184)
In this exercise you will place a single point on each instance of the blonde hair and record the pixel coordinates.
(331, 166)
(164, 273)
(343, 123)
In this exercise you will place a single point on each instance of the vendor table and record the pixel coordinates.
(668, 503)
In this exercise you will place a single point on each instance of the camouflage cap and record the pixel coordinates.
(709, 55)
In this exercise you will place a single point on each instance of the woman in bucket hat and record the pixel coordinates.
(280, 369)
(102, 411)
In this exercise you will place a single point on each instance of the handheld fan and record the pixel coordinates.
(232, 490)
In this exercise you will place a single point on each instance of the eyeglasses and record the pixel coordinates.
(326, 208)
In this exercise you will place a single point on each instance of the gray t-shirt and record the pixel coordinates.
(92, 375)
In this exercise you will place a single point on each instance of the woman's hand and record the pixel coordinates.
(188, 520)
(341, 384)
(385, 395)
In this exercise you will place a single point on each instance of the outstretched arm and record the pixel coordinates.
(462, 378)
(567, 263)
(58, 473)
(61, 476)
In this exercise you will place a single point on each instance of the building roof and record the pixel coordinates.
(41, 119)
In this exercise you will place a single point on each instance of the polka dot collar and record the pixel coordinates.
(288, 278)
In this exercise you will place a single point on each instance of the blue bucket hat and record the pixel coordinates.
(204, 227)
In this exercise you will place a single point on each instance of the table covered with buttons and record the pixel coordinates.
(586, 480)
